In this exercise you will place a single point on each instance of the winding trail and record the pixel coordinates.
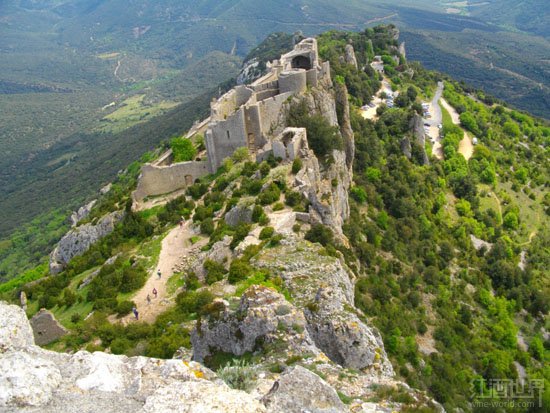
(175, 247)
(465, 147)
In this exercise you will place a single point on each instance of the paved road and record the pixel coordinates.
(437, 116)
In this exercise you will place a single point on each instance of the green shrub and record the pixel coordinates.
(197, 190)
(249, 168)
(293, 198)
(267, 233)
(321, 234)
(190, 302)
(239, 270)
(214, 271)
(207, 226)
(296, 165)
(124, 307)
(265, 168)
(76, 318)
(182, 149)
(257, 213)
(278, 206)
(270, 194)
(322, 137)
(191, 281)
(238, 375)
(251, 186)
(120, 345)
(241, 231)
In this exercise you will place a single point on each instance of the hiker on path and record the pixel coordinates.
(136, 314)
(148, 299)
(159, 274)
(155, 292)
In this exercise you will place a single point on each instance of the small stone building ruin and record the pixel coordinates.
(247, 116)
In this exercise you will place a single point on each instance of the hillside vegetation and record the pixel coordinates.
(450, 257)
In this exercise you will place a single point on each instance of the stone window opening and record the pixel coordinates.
(301, 62)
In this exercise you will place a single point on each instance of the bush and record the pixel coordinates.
(193, 301)
(267, 233)
(269, 195)
(321, 234)
(124, 307)
(241, 231)
(239, 270)
(75, 318)
(238, 375)
(322, 137)
(257, 213)
(358, 194)
(207, 226)
(293, 198)
(296, 165)
(120, 345)
(278, 206)
(182, 149)
(214, 271)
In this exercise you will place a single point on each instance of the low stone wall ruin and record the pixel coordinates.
(159, 180)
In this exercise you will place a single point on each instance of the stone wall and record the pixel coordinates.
(158, 180)
(46, 328)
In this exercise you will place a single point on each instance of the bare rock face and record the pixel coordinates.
(78, 240)
(40, 381)
(201, 396)
(322, 286)
(15, 331)
(238, 215)
(349, 56)
(46, 328)
(299, 390)
(417, 127)
(261, 316)
(82, 213)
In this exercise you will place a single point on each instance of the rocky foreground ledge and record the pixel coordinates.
(36, 380)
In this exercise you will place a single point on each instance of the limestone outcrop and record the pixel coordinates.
(37, 380)
(299, 390)
(46, 328)
(237, 215)
(417, 128)
(322, 287)
(78, 240)
(82, 212)
(349, 56)
(34, 380)
(263, 317)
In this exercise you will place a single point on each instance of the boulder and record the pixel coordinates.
(78, 240)
(46, 328)
(238, 215)
(33, 380)
(15, 330)
(299, 390)
(263, 316)
(199, 397)
(349, 56)
(83, 212)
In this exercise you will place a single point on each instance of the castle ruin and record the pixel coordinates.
(247, 116)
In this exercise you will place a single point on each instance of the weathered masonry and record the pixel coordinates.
(247, 116)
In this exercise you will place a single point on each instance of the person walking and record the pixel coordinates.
(148, 299)
(136, 313)
(159, 274)
(155, 292)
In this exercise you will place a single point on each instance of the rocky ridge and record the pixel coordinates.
(37, 380)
